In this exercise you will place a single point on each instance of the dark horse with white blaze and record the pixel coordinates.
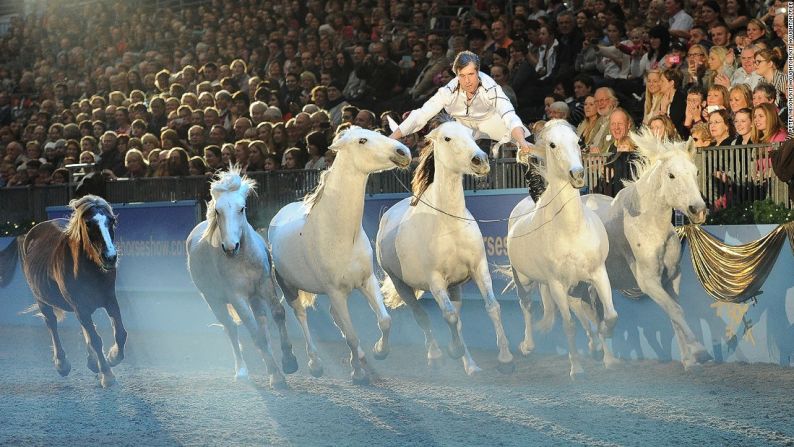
(70, 266)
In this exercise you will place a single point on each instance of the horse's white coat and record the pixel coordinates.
(644, 249)
(320, 247)
(228, 262)
(422, 249)
(558, 243)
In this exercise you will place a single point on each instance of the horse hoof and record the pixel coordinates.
(278, 384)
(435, 362)
(380, 354)
(92, 364)
(316, 371)
(472, 370)
(289, 363)
(506, 367)
(115, 356)
(526, 348)
(577, 373)
(242, 374)
(702, 356)
(455, 351)
(107, 380)
(63, 367)
(363, 380)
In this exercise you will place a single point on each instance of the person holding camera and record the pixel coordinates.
(476, 101)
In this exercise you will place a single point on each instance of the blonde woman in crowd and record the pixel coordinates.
(740, 97)
(588, 127)
(662, 126)
(654, 103)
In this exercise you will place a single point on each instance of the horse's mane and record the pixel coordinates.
(73, 239)
(426, 170)
(650, 150)
(228, 181)
(312, 197)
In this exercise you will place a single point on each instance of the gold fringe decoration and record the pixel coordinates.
(734, 274)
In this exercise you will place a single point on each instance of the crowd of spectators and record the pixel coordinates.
(170, 92)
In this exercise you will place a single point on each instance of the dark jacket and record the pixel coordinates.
(678, 112)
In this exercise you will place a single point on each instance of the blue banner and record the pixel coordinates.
(150, 239)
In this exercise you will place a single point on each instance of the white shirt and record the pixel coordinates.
(740, 76)
(490, 111)
(681, 21)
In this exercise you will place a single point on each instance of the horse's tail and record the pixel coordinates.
(59, 313)
(506, 271)
(549, 313)
(306, 299)
(233, 313)
(8, 261)
(391, 298)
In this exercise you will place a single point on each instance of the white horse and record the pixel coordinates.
(645, 250)
(558, 242)
(319, 245)
(229, 263)
(431, 242)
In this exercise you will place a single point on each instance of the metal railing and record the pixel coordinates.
(748, 169)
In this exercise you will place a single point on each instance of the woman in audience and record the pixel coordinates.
(653, 95)
(588, 127)
(701, 136)
(227, 155)
(212, 158)
(767, 127)
(316, 145)
(177, 163)
(766, 63)
(293, 159)
(256, 155)
(743, 122)
(136, 164)
(740, 97)
(153, 162)
(272, 163)
(196, 166)
(720, 127)
(662, 126)
(719, 63)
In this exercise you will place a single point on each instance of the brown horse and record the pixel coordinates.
(70, 266)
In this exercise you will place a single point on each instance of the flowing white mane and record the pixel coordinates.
(224, 182)
(651, 150)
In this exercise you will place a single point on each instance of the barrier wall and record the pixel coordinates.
(156, 293)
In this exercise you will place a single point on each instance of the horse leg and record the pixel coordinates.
(469, 365)
(579, 309)
(62, 364)
(609, 317)
(434, 354)
(559, 294)
(116, 353)
(315, 365)
(341, 316)
(94, 342)
(695, 348)
(691, 350)
(482, 277)
(289, 364)
(522, 288)
(218, 307)
(375, 299)
(438, 288)
(252, 314)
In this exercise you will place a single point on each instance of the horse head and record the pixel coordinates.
(670, 170)
(226, 210)
(370, 151)
(92, 227)
(458, 151)
(558, 144)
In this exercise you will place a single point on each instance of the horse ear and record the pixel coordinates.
(338, 142)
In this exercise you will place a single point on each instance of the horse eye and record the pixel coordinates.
(447, 139)
(362, 140)
(671, 175)
(552, 145)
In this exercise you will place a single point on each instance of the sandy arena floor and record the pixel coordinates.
(178, 389)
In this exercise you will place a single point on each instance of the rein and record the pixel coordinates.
(467, 219)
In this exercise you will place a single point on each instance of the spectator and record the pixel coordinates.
(680, 21)
(695, 103)
(605, 102)
(135, 164)
(720, 127)
(196, 166)
(767, 127)
(740, 97)
(227, 155)
(212, 158)
(588, 127)
(177, 163)
(618, 166)
(743, 122)
(316, 146)
(662, 126)
(766, 62)
(272, 163)
(293, 159)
